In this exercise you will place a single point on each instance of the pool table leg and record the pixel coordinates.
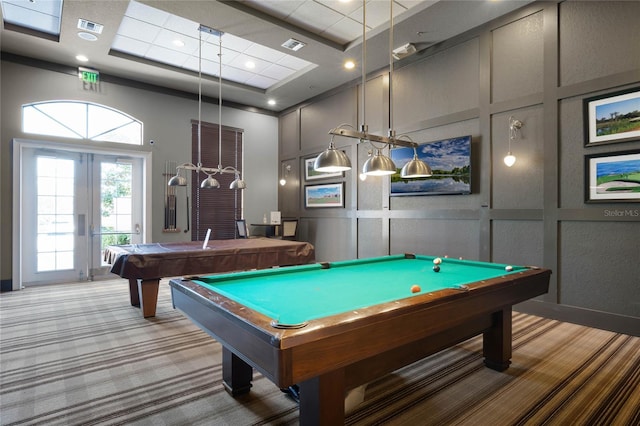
(322, 399)
(144, 294)
(496, 342)
(133, 292)
(236, 374)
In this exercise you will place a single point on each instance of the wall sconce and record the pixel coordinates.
(285, 174)
(514, 126)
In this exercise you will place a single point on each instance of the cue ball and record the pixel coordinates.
(436, 268)
(508, 268)
(437, 261)
(415, 288)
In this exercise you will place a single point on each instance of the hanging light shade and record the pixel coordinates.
(332, 160)
(238, 183)
(209, 182)
(177, 180)
(379, 165)
(415, 168)
(509, 159)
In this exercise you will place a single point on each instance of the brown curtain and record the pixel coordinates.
(215, 209)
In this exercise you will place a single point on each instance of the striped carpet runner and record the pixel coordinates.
(79, 354)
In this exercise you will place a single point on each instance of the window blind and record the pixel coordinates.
(215, 209)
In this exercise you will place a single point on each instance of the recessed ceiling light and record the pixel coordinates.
(178, 43)
(87, 36)
(250, 64)
(349, 65)
(82, 58)
(271, 102)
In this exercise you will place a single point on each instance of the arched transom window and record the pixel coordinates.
(81, 120)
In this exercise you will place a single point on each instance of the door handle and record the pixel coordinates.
(82, 226)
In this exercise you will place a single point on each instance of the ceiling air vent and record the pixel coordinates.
(293, 44)
(83, 24)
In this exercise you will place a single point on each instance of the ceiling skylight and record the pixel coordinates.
(43, 16)
(149, 33)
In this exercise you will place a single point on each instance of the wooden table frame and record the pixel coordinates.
(332, 355)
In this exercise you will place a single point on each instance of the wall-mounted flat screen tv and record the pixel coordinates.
(450, 162)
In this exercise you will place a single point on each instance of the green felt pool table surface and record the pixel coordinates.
(293, 296)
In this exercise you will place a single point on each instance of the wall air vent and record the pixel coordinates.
(83, 24)
(293, 44)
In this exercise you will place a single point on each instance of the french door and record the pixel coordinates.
(73, 205)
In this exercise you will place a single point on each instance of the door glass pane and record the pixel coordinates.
(115, 204)
(55, 213)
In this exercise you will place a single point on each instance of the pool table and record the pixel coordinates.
(145, 264)
(330, 327)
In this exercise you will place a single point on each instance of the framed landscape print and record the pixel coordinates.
(330, 195)
(613, 177)
(613, 117)
(311, 174)
(450, 162)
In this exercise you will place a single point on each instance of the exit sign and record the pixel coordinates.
(88, 75)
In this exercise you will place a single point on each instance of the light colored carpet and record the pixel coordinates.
(79, 354)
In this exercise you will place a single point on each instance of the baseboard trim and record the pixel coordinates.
(590, 318)
(6, 285)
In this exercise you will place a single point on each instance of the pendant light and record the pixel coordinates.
(415, 168)
(334, 160)
(210, 181)
(378, 164)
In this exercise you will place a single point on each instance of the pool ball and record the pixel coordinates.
(415, 288)
(437, 261)
(436, 268)
(508, 268)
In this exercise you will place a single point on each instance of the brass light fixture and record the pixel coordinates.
(209, 181)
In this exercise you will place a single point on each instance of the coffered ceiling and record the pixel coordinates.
(167, 43)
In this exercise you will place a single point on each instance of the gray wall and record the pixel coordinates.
(537, 64)
(167, 121)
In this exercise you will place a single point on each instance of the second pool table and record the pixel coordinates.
(144, 265)
(330, 327)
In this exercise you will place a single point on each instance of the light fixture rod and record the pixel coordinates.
(219, 100)
(200, 98)
(373, 138)
(363, 126)
(391, 70)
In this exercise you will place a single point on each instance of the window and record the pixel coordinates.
(55, 183)
(219, 208)
(81, 120)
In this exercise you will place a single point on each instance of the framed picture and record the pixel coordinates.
(612, 177)
(330, 195)
(450, 162)
(614, 117)
(311, 174)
